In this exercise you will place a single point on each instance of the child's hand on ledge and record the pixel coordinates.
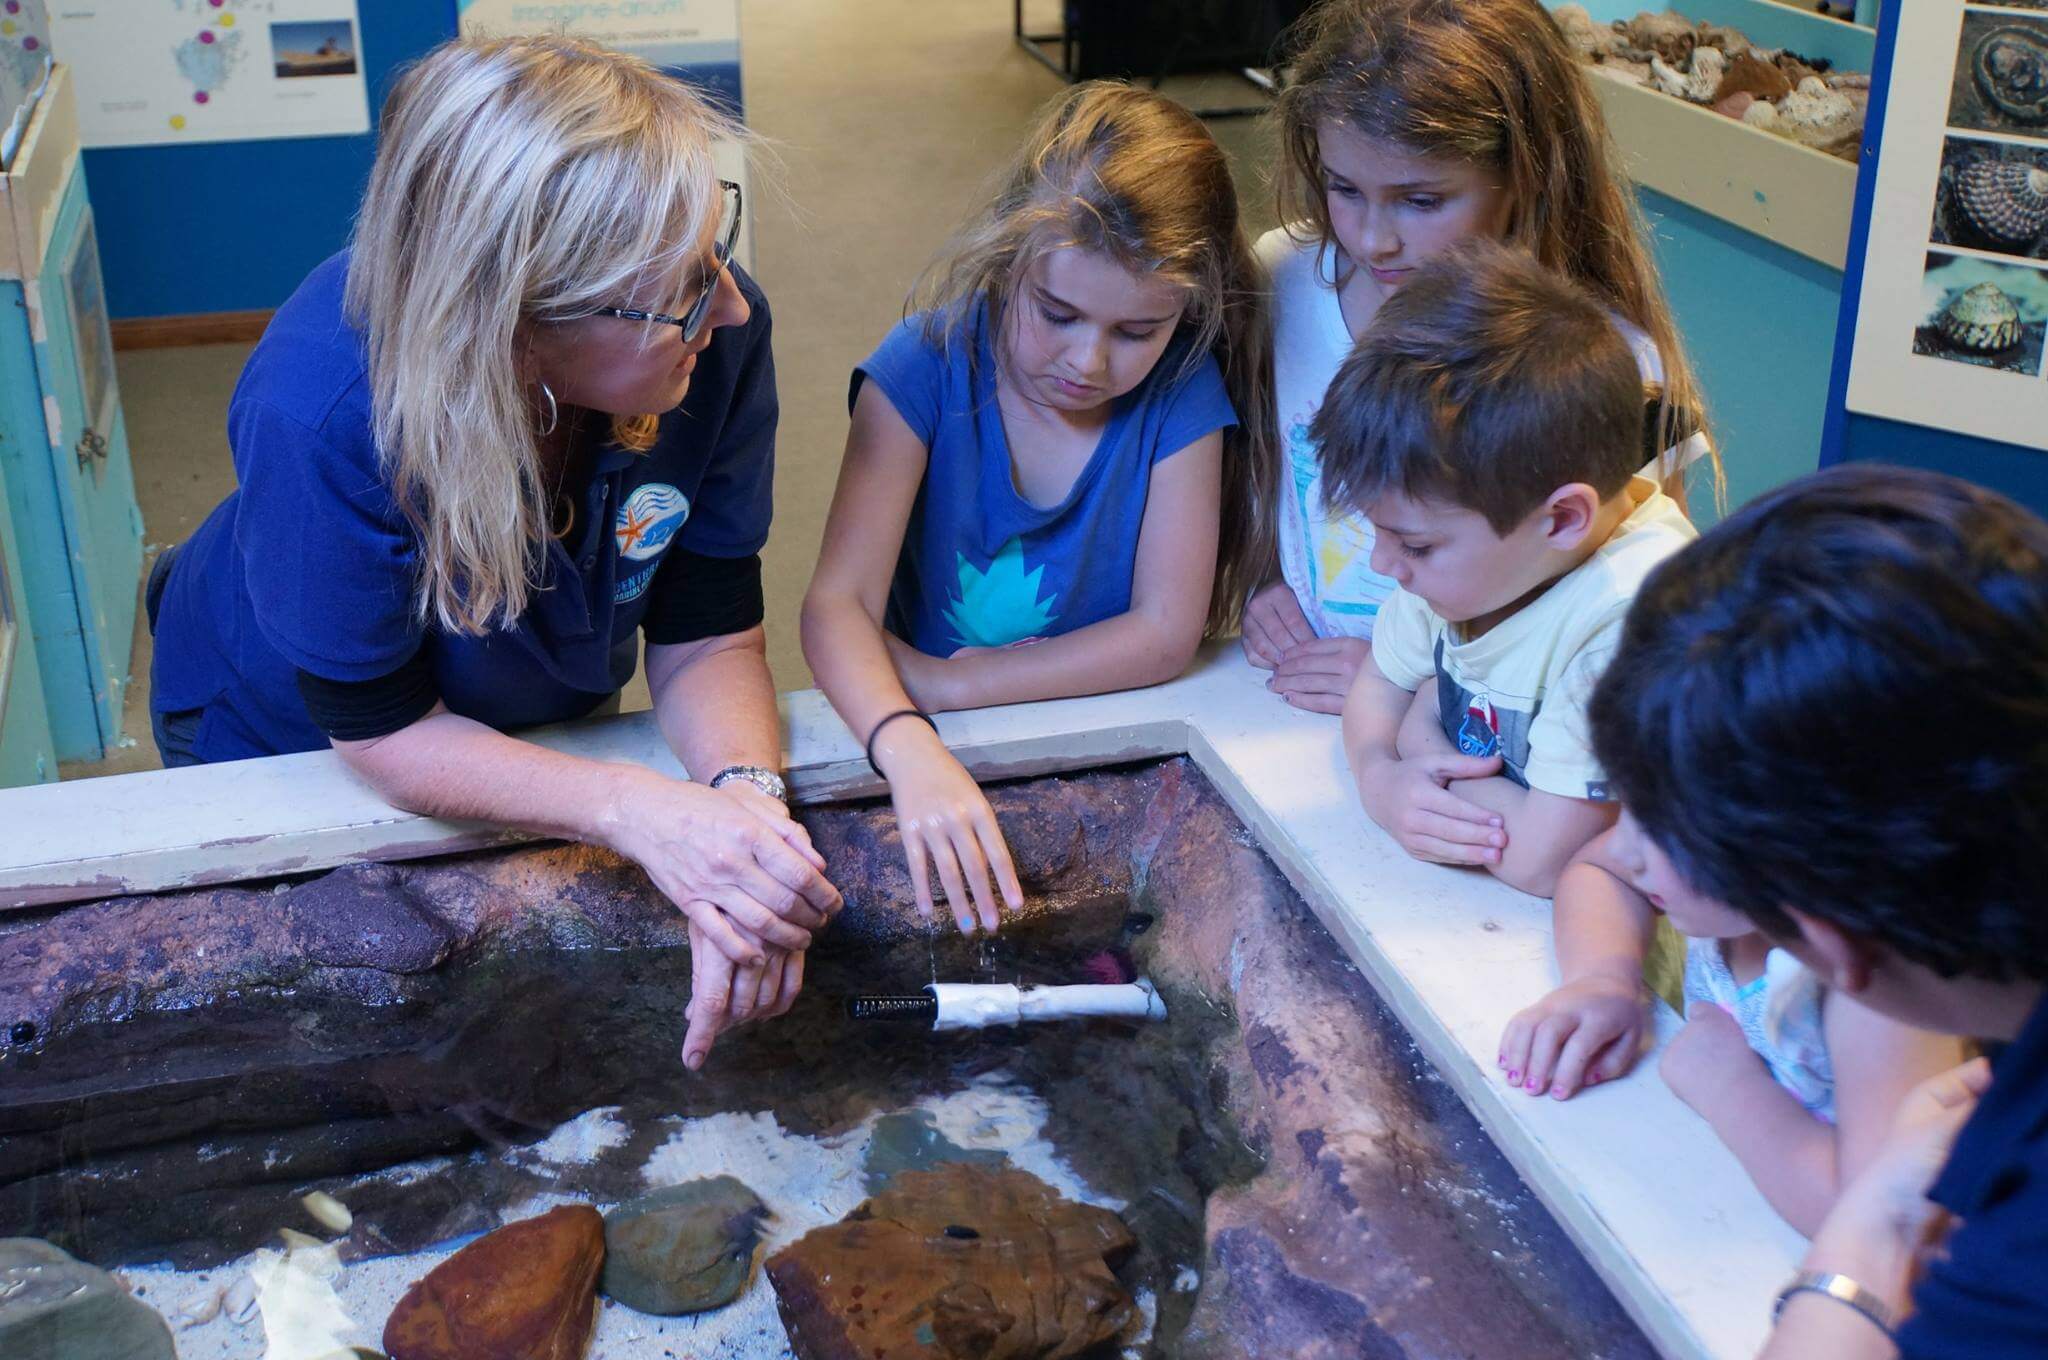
(1273, 625)
(1316, 675)
(1710, 1060)
(1410, 798)
(1586, 1032)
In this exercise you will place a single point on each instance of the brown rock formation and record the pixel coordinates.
(525, 1292)
(956, 1263)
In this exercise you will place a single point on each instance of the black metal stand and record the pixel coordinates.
(1038, 45)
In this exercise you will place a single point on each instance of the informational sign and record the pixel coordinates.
(1953, 307)
(692, 37)
(694, 40)
(172, 71)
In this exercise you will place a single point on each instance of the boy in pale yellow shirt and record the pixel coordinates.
(1490, 425)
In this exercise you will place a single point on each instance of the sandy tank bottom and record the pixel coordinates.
(306, 1304)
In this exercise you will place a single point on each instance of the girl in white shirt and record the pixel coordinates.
(1410, 126)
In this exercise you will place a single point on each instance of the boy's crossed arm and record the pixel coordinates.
(1452, 808)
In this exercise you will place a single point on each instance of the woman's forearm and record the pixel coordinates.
(715, 702)
(1868, 1248)
(453, 767)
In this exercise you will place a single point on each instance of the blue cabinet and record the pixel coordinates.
(69, 487)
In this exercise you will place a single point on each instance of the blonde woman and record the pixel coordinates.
(527, 417)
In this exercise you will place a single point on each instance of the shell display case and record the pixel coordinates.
(64, 462)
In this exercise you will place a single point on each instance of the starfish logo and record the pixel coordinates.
(649, 519)
(1000, 604)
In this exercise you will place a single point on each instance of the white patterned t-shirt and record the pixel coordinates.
(1325, 556)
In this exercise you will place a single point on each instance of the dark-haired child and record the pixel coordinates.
(1830, 717)
(1489, 426)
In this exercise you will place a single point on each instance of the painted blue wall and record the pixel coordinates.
(234, 226)
(1759, 323)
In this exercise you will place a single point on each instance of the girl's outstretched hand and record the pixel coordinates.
(1274, 625)
(947, 825)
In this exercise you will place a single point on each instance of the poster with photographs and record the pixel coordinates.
(155, 72)
(1953, 308)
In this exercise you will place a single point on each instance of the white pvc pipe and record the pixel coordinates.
(973, 1005)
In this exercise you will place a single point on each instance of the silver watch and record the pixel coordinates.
(767, 781)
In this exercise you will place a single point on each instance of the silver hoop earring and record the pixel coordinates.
(554, 411)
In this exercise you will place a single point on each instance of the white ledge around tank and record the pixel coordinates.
(1658, 1205)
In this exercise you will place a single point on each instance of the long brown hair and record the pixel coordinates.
(1491, 83)
(1136, 178)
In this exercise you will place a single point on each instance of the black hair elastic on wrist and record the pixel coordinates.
(886, 720)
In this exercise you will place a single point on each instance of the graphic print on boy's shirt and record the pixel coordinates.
(1479, 727)
(1000, 605)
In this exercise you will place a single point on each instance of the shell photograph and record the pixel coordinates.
(1981, 313)
(2001, 75)
(1993, 196)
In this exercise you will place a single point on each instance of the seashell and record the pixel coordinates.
(330, 1212)
(1735, 105)
(1591, 40)
(1815, 115)
(1981, 319)
(1670, 36)
(1709, 69)
(1749, 74)
(1665, 78)
(2007, 201)
(2011, 69)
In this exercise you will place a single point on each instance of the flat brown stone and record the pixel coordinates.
(957, 1262)
(524, 1292)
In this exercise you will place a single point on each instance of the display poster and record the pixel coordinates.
(173, 71)
(1954, 302)
(694, 40)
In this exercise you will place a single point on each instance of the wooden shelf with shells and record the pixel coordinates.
(1766, 183)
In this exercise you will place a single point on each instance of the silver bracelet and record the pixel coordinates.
(766, 780)
(1842, 1290)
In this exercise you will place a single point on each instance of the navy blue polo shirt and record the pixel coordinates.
(1987, 1299)
(309, 564)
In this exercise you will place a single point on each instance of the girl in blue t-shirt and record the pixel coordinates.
(1050, 484)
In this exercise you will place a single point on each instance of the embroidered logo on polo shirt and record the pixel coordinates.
(649, 519)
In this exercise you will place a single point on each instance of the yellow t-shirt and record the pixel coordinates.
(1521, 688)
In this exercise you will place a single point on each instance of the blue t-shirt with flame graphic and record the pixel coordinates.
(983, 567)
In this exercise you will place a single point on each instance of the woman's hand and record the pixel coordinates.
(946, 824)
(727, 859)
(1893, 1187)
(1274, 625)
(723, 995)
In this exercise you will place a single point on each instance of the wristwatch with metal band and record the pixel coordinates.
(767, 781)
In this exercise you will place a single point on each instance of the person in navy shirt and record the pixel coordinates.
(524, 422)
(1831, 715)
(1049, 482)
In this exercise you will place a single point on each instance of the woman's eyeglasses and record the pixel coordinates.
(691, 323)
